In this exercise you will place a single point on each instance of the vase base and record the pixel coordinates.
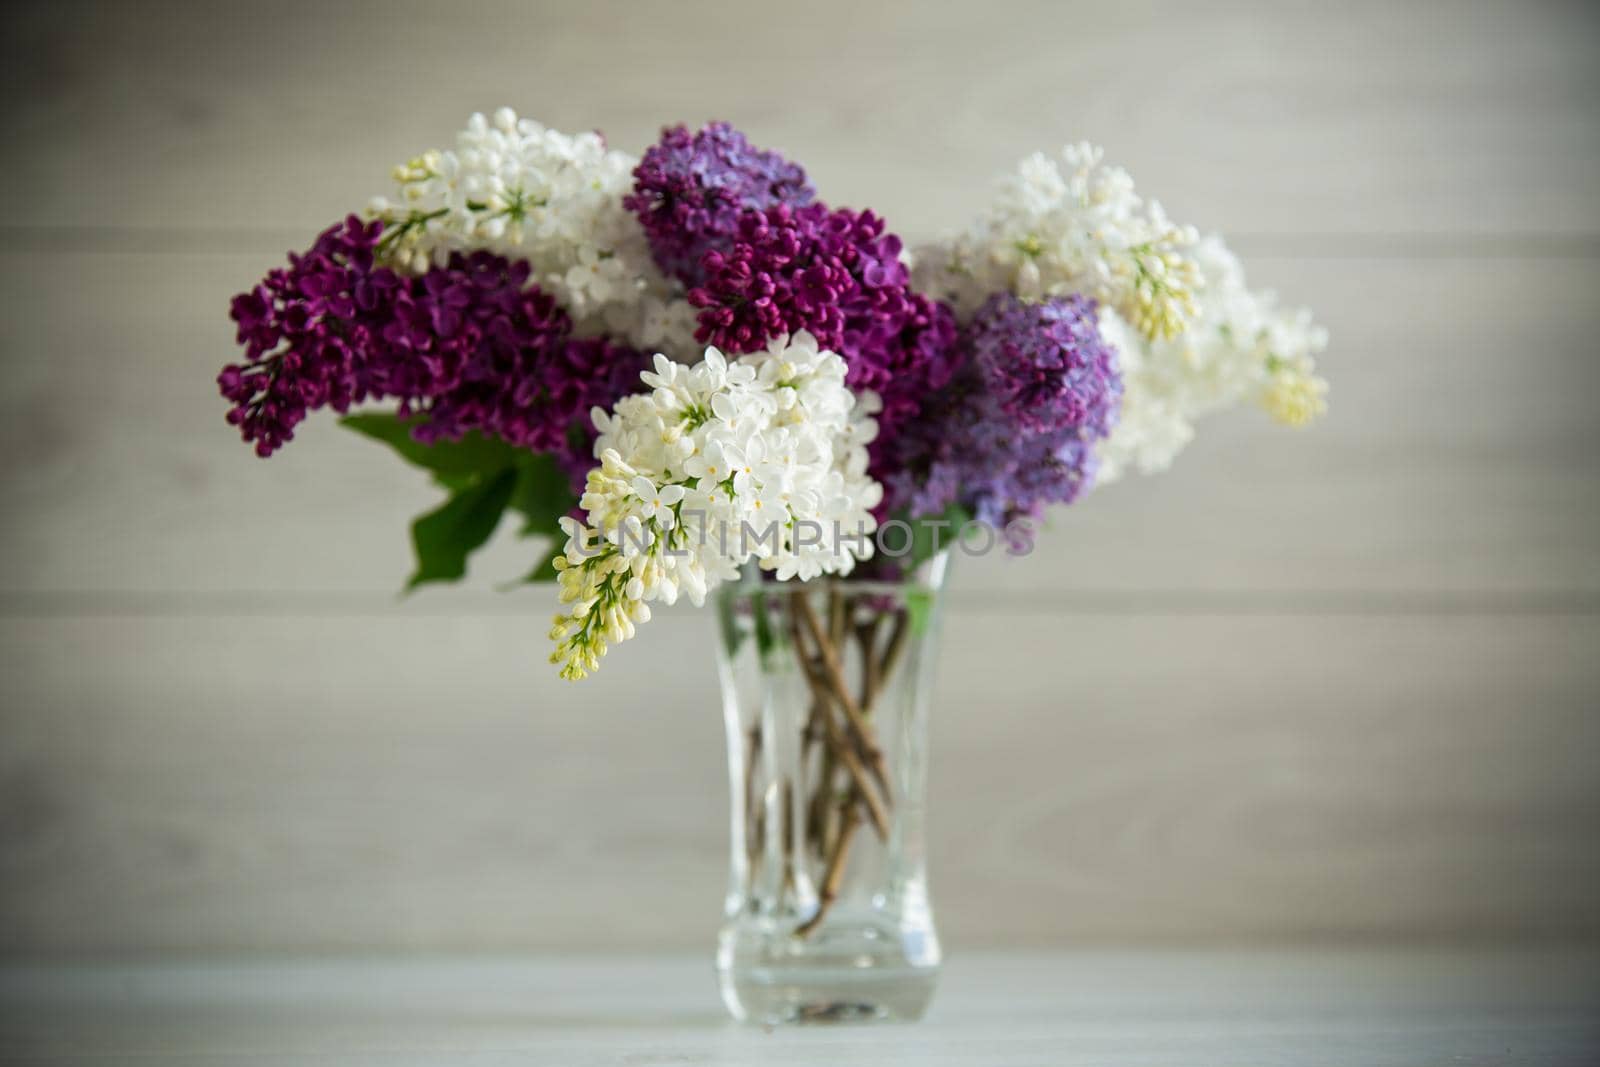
(827, 994)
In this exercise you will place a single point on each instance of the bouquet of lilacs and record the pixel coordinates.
(679, 365)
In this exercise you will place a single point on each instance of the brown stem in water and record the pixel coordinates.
(758, 842)
(839, 611)
(817, 807)
(833, 675)
(753, 822)
(841, 748)
(867, 638)
(829, 891)
(895, 650)
(837, 743)
(788, 834)
(835, 810)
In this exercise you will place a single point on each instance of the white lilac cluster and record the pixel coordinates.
(1190, 335)
(524, 191)
(1072, 225)
(720, 463)
(1241, 346)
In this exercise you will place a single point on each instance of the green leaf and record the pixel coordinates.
(453, 463)
(932, 535)
(766, 641)
(728, 623)
(484, 476)
(543, 494)
(919, 610)
(444, 538)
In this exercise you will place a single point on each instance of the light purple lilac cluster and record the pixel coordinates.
(471, 345)
(1045, 363)
(1017, 428)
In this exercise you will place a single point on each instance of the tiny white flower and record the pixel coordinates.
(657, 500)
(711, 465)
(745, 462)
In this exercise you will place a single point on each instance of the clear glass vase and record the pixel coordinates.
(825, 696)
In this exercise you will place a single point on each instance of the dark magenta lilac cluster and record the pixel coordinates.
(838, 275)
(471, 344)
(784, 262)
(691, 190)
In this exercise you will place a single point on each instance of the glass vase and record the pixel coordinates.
(825, 696)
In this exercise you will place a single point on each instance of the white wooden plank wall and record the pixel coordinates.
(1339, 684)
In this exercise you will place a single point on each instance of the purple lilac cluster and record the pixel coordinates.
(690, 191)
(783, 262)
(838, 275)
(1016, 429)
(305, 332)
(470, 344)
(1045, 364)
(784, 272)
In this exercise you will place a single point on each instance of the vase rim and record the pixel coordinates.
(929, 577)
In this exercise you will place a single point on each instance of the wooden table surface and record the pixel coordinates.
(1344, 1008)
